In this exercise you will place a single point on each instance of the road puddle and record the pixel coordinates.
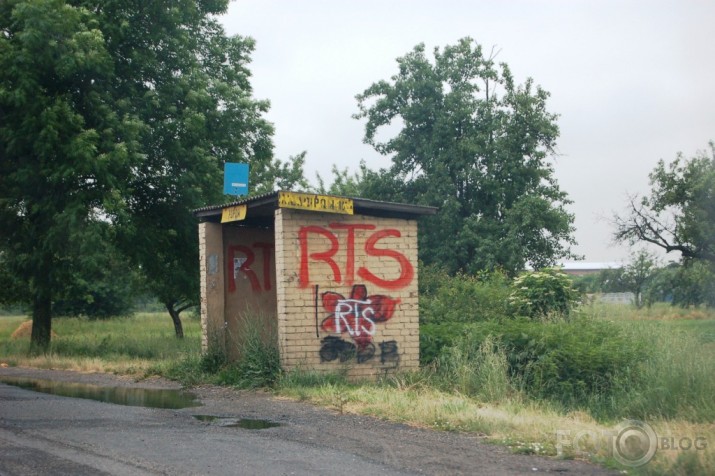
(245, 423)
(135, 397)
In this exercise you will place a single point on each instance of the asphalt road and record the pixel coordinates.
(46, 434)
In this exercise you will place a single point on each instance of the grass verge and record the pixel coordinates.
(472, 392)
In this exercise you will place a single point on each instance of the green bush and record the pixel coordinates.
(543, 294)
(462, 298)
(434, 338)
(563, 361)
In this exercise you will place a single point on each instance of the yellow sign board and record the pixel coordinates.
(316, 203)
(233, 213)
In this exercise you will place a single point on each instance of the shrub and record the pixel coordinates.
(462, 298)
(434, 338)
(542, 294)
(563, 361)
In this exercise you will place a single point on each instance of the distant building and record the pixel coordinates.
(583, 268)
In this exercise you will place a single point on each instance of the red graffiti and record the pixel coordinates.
(357, 315)
(325, 256)
(350, 263)
(407, 271)
(249, 257)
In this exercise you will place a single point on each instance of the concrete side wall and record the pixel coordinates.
(347, 292)
(211, 285)
(250, 285)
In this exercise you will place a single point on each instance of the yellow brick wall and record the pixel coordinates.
(321, 289)
(211, 285)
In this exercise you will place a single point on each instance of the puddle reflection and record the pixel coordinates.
(245, 423)
(135, 397)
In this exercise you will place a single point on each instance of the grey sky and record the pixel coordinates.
(633, 81)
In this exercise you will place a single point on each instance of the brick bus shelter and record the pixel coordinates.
(332, 281)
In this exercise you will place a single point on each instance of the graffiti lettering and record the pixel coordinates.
(350, 263)
(359, 313)
(335, 348)
(407, 271)
(325, 256)
(356, 316)
(388, 353)
(242, 264)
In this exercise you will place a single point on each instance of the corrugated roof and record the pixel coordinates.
(265, 204)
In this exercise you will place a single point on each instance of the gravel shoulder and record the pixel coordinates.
(399, 447)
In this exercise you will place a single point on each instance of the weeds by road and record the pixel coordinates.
(470, 390)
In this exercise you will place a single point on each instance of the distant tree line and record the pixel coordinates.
(691, 283)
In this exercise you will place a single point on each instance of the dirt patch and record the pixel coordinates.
(24, 331)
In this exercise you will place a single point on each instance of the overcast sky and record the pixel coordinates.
(632, 81)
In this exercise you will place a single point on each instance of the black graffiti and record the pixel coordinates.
(389, 354)
(335, 348)
(366, 353)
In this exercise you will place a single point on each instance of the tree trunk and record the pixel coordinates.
(174, 313)
(41, 318)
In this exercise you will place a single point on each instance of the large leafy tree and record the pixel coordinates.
(188, 85)
(65, 144)
(102, 283)
(679, 213)
(124, 112)
(476, 144)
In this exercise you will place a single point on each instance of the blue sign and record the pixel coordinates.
(235, 179)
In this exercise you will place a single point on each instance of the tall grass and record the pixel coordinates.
(676, 372)
(478, 369)
(134, 344)
(258, 363)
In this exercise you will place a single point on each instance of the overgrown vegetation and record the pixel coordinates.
(258, 363)
(486, 369)
(572, 357)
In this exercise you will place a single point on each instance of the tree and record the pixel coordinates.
(188, 84)
(679, 214)
(102, 283)
(123, 112)
(343, 182)
(638, 273)
(65, 145)
(689, 284)
(477, 145)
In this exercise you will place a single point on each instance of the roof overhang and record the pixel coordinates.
(261, 208)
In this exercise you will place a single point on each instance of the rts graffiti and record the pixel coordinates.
(240, 261)
(357, 316)
(346, 275)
